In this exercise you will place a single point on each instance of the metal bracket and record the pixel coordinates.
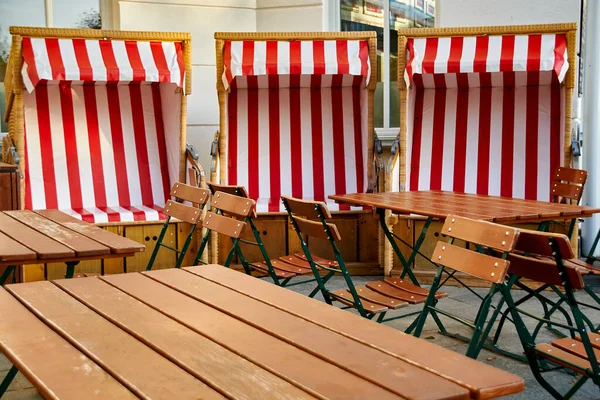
(214, 152)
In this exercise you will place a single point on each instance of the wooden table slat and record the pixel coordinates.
(141, 369)
(117, 244)
(83, 246)
(484, 381)
(208, 361)
(49, 362)
(279, 357)
(45, 247)
(346, 353)
(11, 250)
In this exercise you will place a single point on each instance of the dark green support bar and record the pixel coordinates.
(9, 269)
(71, 269)
(8, 380)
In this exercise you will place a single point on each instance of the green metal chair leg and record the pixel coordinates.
(8, 380)
(185, 246)
(478, 338)
(6, 273)
(429, 303)
(71, 269)
(203, 244)
(161, 236)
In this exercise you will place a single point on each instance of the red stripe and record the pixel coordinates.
(118, 146)
(91, 114)
(337, 116)
(113, 216)
(317, 139)
(456, 48)
(253, 138)
(29, 58)
(28, 200)
(108, 56)
(508, 135)
(158, 54)
(247, 58)
(179, 53)
(560, 46)
(138, 215)
(460, 140)
(411, 49)
(133, 54)
(532, 123)
(341, 47)
(271, 59)
(431, 48)
(437, 140)
(232, 136)
(47, 153)
(555, 131)
(85, 215)
(296, 135)
(70, 137)
(160, 138)
(364, 57)
(481, 52)
(358, 143)
(483, 151)
(274, 143)
(227, 61)
(319, 57)
(507, 54)
(415, 161)
(55, 58)
(141, 145)
(295, 58)
(86, 73)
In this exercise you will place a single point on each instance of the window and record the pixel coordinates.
(385, 17)
(49, 13)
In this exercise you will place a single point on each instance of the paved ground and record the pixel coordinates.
(460, 302)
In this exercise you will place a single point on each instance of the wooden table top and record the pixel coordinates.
(30, 237)
(209, 332)
(440, 204)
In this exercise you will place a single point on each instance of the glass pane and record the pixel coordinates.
(76, 14)
(15, 13)
(361, 15)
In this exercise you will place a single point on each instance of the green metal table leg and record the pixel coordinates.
(6, 274)
(71, 269)
(8, 379)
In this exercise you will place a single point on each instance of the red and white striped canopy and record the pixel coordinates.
(310, 57)
(52, 59)
(483, 54)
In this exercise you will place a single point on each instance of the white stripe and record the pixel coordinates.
(242, 141)
(67, 53)
(285, 147)
(42, 62)
(236, 58)
(495, 143)
(151, 214)
(468, 54)
(34, 151)
(156, 180)
(494, 53)
(106, 147)
(283, 57)
(544, 127)
(331, 65)
(547, 53)
(519, 142)
(83, 148)
(426, 140)
(328, 145)
(307, 162)
(306, 57)
(410, 119)
(148, 61)
(472, 142)
(419, 50)
(260, 58)
(264, 162)
(26, 79)
(96, 61)
(171, 57)
(122, 59)
(440, 65)
(124, 214)
(131, 160)
(354, 57)
(99, 215)
(565, 67)
(349, 145)
(59, 152)
(520, 55)
(448, 164)
(72, 213)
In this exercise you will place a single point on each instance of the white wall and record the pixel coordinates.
(451, 13)
(202, 18)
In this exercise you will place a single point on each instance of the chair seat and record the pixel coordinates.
(98, 215)
(282, 265)
(570, 353)
(281, 274)
(347, 299)
(411, 288)
(367, 294)
(384, 288)
(317, 259)
(583, 267)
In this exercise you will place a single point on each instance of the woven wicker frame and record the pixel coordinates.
(14, 81)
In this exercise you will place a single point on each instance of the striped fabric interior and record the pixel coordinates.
(98, 152)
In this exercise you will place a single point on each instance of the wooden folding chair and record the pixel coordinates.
(281, 270)
(578, 353)
(310, 219)
(175, 209)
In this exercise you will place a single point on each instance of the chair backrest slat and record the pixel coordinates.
(566, 190)
(224, 225)
(534, 242)
(487, 234)
(189, 193)
(545, 271)
(230, 189)
(567, 184)
(578, 176)
(232, 204)
(306, 208)
(480, 265)
(316, 229)
(182, 212)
